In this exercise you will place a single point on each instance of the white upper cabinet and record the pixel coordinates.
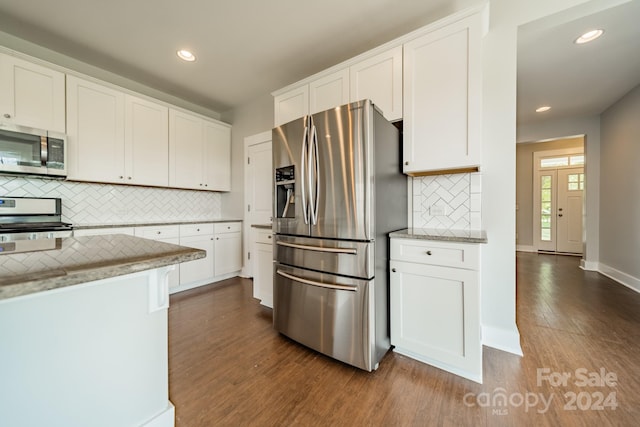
(379, 79)
(95, 131)
(31, 95)
(217, 156)
(442, 99)
(291, 105)
(115, 137)
(146, 142)
(199, 153)
(329, 91)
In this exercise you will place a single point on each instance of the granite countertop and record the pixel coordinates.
(264, 226)
(74, 260)
(145, 224)
(457, 236)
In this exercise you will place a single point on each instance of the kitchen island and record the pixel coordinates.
(83, 327)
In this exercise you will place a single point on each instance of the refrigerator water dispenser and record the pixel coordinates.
(285, 196)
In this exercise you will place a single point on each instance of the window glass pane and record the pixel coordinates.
(545, 181)
(554, 162)
(545, 221)
(545, 234)
(576, 160)
(545, 208)
(573, 177)
(573, 186)
(582, 185)
(546, 195)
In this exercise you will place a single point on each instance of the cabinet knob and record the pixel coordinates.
(128, 177)
(406, 163)
(7, 115)
(429, 253)
(269, 236)
(217, 238)
(393, 270)
(206, 185)
(197, 229)
(121, 177)
(158, 232)
(201, 185)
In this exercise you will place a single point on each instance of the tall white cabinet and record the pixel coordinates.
(31, 95)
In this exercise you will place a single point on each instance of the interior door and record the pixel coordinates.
(344, 170)
(570, 189)
(260, 183)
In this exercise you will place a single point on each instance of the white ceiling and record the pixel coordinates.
(247, 48)
(577, 80)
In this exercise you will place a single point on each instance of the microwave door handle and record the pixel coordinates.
(44, 150)
(303, 161)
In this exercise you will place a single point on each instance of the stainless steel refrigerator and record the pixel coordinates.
(338, 192)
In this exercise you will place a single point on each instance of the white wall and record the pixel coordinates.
(590, 127)
(250, 119)
(620, 190)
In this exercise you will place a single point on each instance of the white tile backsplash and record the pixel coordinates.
(88, 203)
(459, 195)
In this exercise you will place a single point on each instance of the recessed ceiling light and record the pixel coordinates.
(589, 36)
(186, 55)
(543, 109)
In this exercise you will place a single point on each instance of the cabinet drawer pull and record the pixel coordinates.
(428, 253)
(7, 116)
(393, 270)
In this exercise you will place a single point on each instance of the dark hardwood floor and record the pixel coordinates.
(227, 367)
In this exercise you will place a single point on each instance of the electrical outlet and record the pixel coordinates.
(436, 210)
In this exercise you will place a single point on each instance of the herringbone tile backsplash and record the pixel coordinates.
(458, 195)
(90, 204)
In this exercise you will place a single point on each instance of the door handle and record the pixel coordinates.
(303, 164)
(316, 173)
(560, 215)
(315, 283)
(349, 251)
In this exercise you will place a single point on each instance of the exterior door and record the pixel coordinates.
(558, 209)
(570, 189)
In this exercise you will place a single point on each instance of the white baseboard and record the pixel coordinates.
(589, 265)
(621, 277)
(165, 419)
(526, 248)
(502, 339)
(473, 376)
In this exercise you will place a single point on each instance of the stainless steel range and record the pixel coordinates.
(29, 223)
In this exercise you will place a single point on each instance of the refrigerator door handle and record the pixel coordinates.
(349, 251)
(303, 164)
(316, 168)
(319, 284)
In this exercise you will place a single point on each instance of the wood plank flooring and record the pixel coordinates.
(227, 367)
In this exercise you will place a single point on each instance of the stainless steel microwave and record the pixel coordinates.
(32, 151)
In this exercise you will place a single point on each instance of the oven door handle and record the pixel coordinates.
(319, 284)
(349, 251)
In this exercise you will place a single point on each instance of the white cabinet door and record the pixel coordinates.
(329, 91)
(291, 105)
(95, 131)
(185, 150)
(263, 272)
(259, 184)
(435, 316)
(217, 156)
(228, 253)
(200, 269)
(379, 79)
(31, 95)
(442, 105)
(146, 142)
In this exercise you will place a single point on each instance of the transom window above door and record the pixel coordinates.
(562, 161)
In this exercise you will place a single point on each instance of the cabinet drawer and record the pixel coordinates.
(195, 229)
(459, 255)
(158, 232)
(264, 236)
(227, 227)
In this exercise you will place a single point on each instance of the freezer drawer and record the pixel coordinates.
(347, 258)
(328, 313)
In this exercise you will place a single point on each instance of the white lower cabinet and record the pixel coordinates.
(228, 248)
(199, 236)
(435, 304)
(166, 234)
(263, 261)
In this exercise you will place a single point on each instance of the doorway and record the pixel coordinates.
(558, 199)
